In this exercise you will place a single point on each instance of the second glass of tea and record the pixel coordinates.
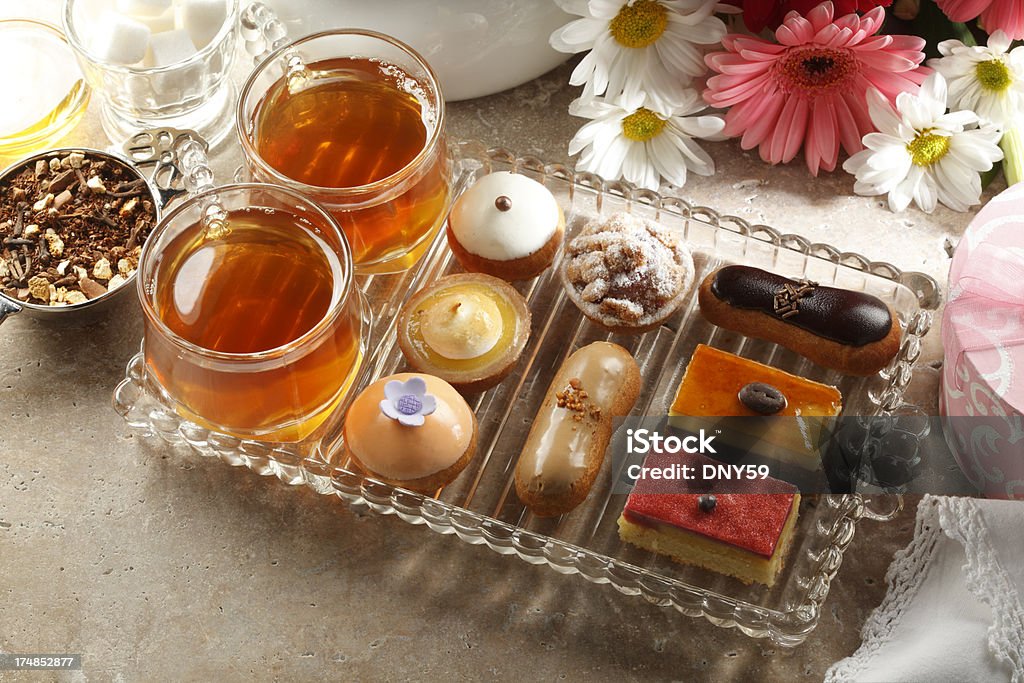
(355, 120)
(253, 325)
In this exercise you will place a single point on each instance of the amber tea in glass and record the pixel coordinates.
(358, 126)
(254, 332)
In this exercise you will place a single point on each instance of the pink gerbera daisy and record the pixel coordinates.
(1005, 15)
(761, 14)
(810, 88)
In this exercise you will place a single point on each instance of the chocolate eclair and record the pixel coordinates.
(849, 331)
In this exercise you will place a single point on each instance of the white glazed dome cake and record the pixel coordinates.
(506, 225)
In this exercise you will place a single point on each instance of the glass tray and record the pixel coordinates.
(480, 506)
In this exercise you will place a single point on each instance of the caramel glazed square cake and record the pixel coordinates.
(714, 386)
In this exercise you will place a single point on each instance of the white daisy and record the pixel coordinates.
(639, 46)
(922, 154)
(641, 143)
(986, 80)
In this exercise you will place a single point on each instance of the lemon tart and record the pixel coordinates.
(468, 329)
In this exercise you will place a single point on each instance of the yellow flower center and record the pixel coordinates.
(639, 23)
(927, 148)
(642, 125)
(993, 75)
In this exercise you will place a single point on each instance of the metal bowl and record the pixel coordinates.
(158, 197)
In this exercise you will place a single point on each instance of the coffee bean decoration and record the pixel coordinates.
(762, 398)
(707, 502)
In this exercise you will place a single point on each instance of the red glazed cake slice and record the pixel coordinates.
(745, 533)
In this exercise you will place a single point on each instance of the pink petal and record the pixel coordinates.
(827, 34)
(725, 92)
(1007, 15)
(738, 43)
(850, 21)
(873, 20)
(797, 131)
(758, 120)
(821, 15)
(728, 63)
(823, 131)
(811, 153)
(963, 10)
(884, 60)
(789, 37)
(857, 104)
(850, 130)
(739, 118)
(789, 133)
(763, 124)
(875, 43)
(892, 84)
(799, 28)
(842, 38)
(912, 43)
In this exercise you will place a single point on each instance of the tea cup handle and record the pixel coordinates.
(191, 159)
(262, 31)
(180, 165)
(175, 161)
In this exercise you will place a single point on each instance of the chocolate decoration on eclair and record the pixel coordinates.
(840, 315)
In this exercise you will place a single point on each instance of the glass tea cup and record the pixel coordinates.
(355, 120)
(253, 329)
(194, 93)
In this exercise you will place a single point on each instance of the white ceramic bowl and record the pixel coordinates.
(477, 47)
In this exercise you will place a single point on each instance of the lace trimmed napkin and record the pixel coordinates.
(953, 611)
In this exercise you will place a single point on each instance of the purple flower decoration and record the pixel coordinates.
(407, 402)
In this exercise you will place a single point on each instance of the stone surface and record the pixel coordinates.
(158, 565)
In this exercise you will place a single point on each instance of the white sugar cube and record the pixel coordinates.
(139, 90)
(142, 8)
(169, 47)
(203, 19)
(118, 39)
(161, 22)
